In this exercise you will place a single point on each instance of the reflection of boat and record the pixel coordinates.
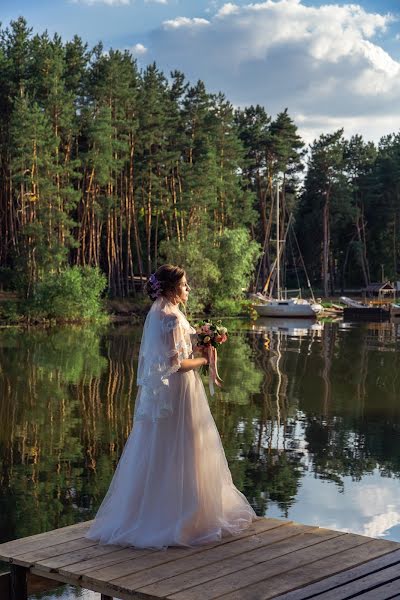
(294, 327)
(282, 306)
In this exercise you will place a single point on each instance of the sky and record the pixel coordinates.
(330, 64)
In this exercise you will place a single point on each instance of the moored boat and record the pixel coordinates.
(355, 310)
(292, 307)
(280, 305)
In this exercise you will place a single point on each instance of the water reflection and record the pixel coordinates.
(292, 327)
(309, 417)
(339, 423)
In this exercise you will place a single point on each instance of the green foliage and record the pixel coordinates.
(198, 257)
(236, 258)
(9, 311)
(218, 269)
(111, 167)
(71, 295)
(227, 307)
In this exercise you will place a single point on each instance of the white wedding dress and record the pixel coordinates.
(172, 486)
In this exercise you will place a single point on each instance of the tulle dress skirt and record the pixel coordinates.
(172, 485)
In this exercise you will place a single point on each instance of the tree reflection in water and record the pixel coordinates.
(296, 401)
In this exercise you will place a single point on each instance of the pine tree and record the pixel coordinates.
(15, 48)
(383, 209)
(325, 199)
(33, 173)
(360, 158)
(151, 157)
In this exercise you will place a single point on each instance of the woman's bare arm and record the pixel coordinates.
(187, 364)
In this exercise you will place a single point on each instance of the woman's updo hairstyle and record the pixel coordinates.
(164, 281)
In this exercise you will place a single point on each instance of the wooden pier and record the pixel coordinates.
(273, 559)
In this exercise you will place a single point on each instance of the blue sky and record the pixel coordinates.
(332, 64)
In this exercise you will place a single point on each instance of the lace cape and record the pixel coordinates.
(166, 341)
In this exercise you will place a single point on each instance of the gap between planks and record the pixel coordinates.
(70, 561)
(174, 557)
(298, 576)
(214, 560)
(9, 550)
(48, 543)
(206, 579)
(172, 554)
(336, 582)
(250, 582)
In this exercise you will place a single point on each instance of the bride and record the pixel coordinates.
(172, 486)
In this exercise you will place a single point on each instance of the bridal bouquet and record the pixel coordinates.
(209, 337)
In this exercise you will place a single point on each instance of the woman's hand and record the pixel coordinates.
(204, 354)
(201, 351)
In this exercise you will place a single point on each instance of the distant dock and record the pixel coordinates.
(272, 559)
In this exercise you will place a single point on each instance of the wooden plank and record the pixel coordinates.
(98, 562)
(212, 555)
(70, 579)
(246, 577)
(343, 577)
(363, 584)
(99, 587)
(13, 545)
(137, 563)
(207, 574)
(54, 563)
(171, 554)
(42, 540)
(199, 567)
(315, 569)
(384, 592)
(30, 558)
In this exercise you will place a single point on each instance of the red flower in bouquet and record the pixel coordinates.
(210, 334)
(209, 337)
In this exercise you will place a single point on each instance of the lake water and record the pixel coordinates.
(309, 417)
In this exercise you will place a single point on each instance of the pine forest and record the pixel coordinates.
(109, 166)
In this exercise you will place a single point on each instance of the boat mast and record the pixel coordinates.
(278, 262)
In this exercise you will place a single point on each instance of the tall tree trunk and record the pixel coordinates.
(326, 246)
(132, 204)
(359, 228)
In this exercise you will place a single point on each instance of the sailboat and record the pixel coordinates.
(281, 305)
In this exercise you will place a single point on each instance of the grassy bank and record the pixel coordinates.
(13, 311)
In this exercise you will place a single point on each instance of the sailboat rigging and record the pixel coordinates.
(280, 305)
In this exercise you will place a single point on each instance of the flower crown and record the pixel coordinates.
(156, 286)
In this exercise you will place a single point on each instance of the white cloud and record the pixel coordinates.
(323, 63)
(156, 1)
(138, 50)
(369, 507)
(185, 23)
(228, 9)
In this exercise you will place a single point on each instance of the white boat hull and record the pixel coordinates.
(288, 309)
